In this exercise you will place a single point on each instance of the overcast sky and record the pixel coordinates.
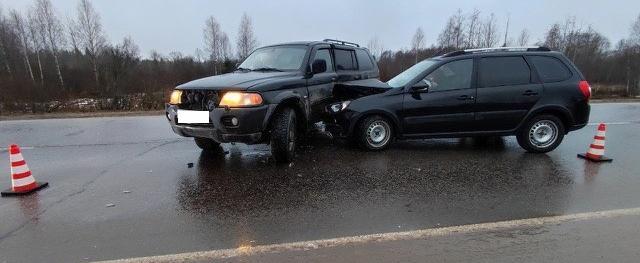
(176, 25)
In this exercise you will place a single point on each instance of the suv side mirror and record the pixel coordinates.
(318, 66)
(421, 86)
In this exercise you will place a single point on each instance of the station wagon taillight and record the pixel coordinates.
(585, 88)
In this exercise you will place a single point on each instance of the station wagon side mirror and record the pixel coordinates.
(318, 66)
(421, 86)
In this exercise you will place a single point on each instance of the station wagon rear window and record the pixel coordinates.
(550, 69)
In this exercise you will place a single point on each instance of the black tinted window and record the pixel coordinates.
(550, 69)
(503, 71)
(364, 61)
(450, 76)
(345, 59)
(326, 56)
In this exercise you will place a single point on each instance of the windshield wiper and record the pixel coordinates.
(266, 69)
(243, 69)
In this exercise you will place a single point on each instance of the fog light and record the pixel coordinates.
(234, 121)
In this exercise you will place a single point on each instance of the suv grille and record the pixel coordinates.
(199, 100)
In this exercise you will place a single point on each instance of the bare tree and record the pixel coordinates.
(375, 47)
(453, 35)
(23, 39)
(523, 38)
(37, 41)
(417, 42)
(225, 47)
(490, 32)
(246, 40)
(72, 29)
(50, 27)
(90, 35)
(213, 42)
(473, 29)
(4, 36)
(634, 35)
(553, 37)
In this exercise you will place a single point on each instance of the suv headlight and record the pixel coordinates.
(240, 99)
(176, 97)
(338, 107)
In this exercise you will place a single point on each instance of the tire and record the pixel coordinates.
(541, 134)
(374, 133)
(283, 135)
(206, 143)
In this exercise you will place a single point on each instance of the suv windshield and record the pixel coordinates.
(403, 78)
(277, 58)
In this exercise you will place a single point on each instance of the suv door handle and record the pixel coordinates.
(530, 93)
(466, 97)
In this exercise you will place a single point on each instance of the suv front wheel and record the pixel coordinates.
(283, 135)
(541, 134)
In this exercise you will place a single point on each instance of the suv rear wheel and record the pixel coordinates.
(374, 133)
(541, 134)
(283, 135)
(206, 143)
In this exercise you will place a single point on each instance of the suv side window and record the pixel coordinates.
(504, 71)
(451, 76)
(364, 60)
(550, 69)
(326, 56)
(345, 59)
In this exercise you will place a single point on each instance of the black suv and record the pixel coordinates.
(531, 92)
(277, 92)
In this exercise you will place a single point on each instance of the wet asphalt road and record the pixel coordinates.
(238, 196)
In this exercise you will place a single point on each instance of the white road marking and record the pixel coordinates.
(21, 148)
(610, 123)
(249, 250)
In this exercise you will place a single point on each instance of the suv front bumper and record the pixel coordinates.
(251, 128)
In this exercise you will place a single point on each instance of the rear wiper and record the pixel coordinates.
(266, 69)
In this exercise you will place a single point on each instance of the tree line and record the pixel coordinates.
(615, 70)
(44, 57)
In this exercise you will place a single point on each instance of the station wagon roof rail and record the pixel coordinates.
(496, 49)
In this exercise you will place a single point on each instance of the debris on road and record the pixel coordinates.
(190, 165)
(126, 192)
(110, 205)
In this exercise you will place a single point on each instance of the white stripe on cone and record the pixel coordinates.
(16, 157)
(23, 181)
(600, 133)
(594, 151)
(20, 169)
(598, 142)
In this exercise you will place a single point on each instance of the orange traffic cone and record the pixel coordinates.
(596, 149)
(22, 182)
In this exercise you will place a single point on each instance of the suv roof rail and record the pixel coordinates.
(496, 49)
(341, 42)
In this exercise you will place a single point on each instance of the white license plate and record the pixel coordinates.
(193, 116)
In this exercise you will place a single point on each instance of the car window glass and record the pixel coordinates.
(550, 69)
(504, 71)
(326, 56)
(345, 59)
(364, 61)
(451, 76)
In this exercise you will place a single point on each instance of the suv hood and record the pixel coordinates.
(235, 80)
